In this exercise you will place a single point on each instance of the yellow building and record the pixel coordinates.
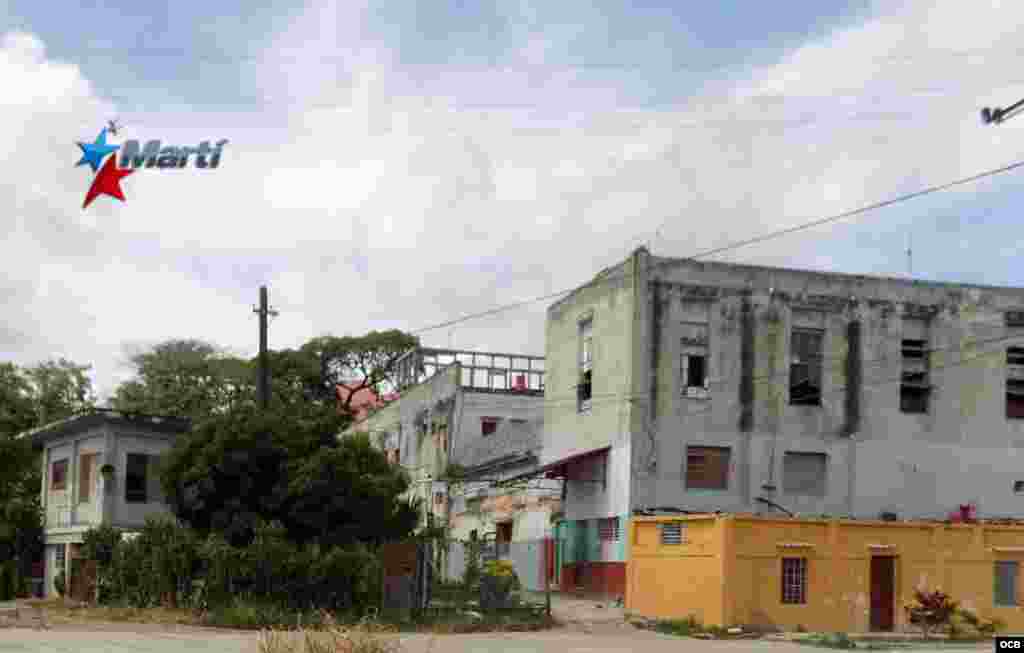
(823, 575)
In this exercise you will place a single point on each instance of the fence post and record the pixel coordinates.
(547, 580)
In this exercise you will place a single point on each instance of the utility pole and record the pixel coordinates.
(263, 369)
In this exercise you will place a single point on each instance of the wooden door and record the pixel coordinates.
(883, 593)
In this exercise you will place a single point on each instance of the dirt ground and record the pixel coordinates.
(590, 627)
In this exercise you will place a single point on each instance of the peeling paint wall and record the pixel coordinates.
(964, 439)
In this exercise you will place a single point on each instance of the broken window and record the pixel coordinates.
(59, 475)
(694, 360)
(1015, 382)
(794, 580)
(914, 383)
(672, 533)
(488, 425)
(583, 390)
(804, 473)
(707, 468)
(1006, 583)
(608, 529)
(805, 368)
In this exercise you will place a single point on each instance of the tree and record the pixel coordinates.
(359, 362)
(186, 378)
(285, 464)
(30, 397)
(59, 389)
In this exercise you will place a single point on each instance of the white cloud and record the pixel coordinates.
(453, 210)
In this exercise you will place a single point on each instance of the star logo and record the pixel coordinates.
(107, 182)
(93, 153)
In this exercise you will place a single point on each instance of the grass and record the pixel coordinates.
(255, 616)
(364, 637)
(845, 642)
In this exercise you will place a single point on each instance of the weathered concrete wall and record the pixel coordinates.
(894, 460)
(568, 431)
(964, 449)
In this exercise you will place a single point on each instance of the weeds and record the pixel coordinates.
(364, 637)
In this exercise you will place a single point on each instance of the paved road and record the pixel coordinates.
(600, 640)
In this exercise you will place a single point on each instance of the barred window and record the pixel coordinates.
(608, 529)
(794, 580)
(672, 533)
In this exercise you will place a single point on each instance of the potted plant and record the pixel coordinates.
(496, 585)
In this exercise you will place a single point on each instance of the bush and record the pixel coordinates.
(683, 627)
(931, 610)
(59, 583)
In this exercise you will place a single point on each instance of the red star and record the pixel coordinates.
(107, 181)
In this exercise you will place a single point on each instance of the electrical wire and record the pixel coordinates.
(742, 243)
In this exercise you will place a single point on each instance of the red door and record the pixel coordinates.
(883, 592)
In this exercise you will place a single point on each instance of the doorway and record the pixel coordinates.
(883, 593)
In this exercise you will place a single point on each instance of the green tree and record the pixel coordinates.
(236, 470)
(358, 362)
(186, 378)
(59, 389)
(30, 397)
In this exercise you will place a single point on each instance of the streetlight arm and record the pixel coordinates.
(997, 115)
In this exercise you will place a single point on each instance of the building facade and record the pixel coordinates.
(690, 386)
(483, 412)
(98, 468)
(822, 575)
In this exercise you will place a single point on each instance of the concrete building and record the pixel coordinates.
(824, 575)
(695, 386)
(481, 411)
(98, 468)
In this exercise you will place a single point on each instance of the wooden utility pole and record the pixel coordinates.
(263, 368)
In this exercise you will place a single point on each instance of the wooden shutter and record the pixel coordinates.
(86, 476)
(707, 468)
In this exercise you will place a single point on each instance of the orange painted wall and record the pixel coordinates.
(688, 574)
(729, 572)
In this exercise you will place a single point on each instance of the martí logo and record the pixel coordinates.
(108, 171)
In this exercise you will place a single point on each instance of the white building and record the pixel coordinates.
(98, 468)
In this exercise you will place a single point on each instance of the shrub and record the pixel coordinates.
(684, 627)
(930, 610)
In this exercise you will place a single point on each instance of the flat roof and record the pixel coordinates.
(105, 416)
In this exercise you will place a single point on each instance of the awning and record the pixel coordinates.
(558, 468)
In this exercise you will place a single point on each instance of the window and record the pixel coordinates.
(805, 368)
(136, 478)
(503, 531)
(1006, 583)
(1015, 319)
(488, 425)
(914, 387)
(707, 468)
(804, 473)
(1015, 382)
(672, 534)
(1018, 487)
(694, 360)
(608, 529)
(86, 473)
(59, 475)
(794, 580)
(584, 389)
(439, 498)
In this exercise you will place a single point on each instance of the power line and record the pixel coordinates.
(742, 243)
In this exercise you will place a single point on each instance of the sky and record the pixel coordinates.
(397, 165)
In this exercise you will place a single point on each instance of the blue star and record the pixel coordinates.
(93, 153)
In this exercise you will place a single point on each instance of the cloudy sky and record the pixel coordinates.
(395, 165)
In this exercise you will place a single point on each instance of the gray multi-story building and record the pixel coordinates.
(681, 385)
(481, 411)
